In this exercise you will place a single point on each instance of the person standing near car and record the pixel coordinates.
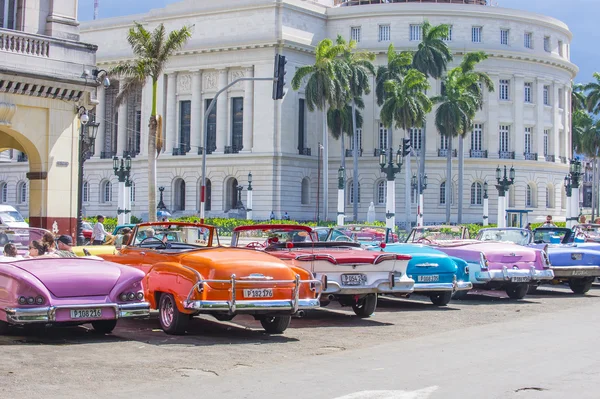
(549, 222)
(98, 232)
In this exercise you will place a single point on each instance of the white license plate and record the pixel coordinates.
(86, 314)
(433, 278)
(259, 293)
(353, 279)
(519, 279)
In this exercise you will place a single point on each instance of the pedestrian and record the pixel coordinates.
(528, 227)
(549, 222)
(10, 250)
(582, 219)
(65, 243)
(98, 232)
(272, 217)
(48, 239)
(286, 216)
(37, 248)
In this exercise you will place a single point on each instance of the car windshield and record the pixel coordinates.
(437, 233)
(11, 217)
(549, 236)
(365, 234)
(173, 236)
(265, 237)
(520, 237)
(21, 237)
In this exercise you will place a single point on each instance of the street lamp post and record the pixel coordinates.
(390, 170)
(161, 204)
(122, 169)
(419, 184)
(340, 202)
(486, 207)
(249, 198)
(504, 183)
(568, 192)
(575, 175)
(87, 138)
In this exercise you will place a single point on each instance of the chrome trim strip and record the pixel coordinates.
(242, 306)
(464, 286)
(427, 265)
(425, 287)
(47, 314)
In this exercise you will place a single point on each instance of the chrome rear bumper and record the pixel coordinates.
(576, 271)
(394, 284)
(520, 275)
(47, 314)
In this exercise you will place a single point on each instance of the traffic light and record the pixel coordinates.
(406, 147)
(279, 77)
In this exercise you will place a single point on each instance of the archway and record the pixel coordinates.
(231, 194)
(179, 195)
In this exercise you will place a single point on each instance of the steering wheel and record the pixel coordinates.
(162, 244)
(424, 240)
(256, 244)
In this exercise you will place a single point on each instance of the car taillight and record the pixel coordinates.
(547, 263)
(131, 296)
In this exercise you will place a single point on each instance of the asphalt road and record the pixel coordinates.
(484, 347)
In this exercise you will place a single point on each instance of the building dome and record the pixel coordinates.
(367, 2)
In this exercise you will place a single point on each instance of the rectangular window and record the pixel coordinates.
(527, 140)
(416, 136)
(381, 192)
(546, 95)
(211, 141)
(384, 33)
(383, 137)
(415, 32)
(504, 89)
(359, 135)
(560, 48)
(476, 136)
(476, 32)
(185, 109)
(355, 33)
(138, 130)
(504, 36)
(546, 134)
(561, 99)
(504, 137)
(301, 125)
(444, 142)
(547, 44)
(528, 40)
(237, 124)
(528, 92)
(8, 14)
(448, 37)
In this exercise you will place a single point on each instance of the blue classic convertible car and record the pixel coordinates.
(578, 264)
(436, 274)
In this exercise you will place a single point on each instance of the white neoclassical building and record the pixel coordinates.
(525, 123)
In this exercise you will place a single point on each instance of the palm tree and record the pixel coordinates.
(152, 51)
(340, 123)
(588, 132)
(325, 86)
(462, 97)
(358, 65)
(433, 54)
(593, 94)
(578, 97)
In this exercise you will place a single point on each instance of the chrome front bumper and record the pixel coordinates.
(394, 284)
(519, 275)
(576, 271)
(48, 314)
(233, 305)
(453, 286)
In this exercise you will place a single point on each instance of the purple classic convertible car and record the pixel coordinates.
(67, 291)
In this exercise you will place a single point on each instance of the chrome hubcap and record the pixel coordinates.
(166, 311)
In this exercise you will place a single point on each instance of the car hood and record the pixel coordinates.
(505, 252)
(73, 277)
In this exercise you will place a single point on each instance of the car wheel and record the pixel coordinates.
(441, 298)
(104, 326)
(3, 239)
(580, 285)
(517, 291)
(172, 321)
(459, 295)
(223, 316)
(3, 327)
(275, 324)
(365, 307)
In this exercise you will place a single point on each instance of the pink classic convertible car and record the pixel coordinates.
(66, 291)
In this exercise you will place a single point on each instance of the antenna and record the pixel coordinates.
(95, 9)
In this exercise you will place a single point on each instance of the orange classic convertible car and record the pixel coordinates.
(188, 273)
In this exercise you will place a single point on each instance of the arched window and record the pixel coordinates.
(231, 194)
(179, 195)
(550, 197)
(208, 195)
(476, 194)
(381, 192)
(443, 194)
(85, 192)
(3, 193)
(351, 192)
(529, 196)
(132, 192)
(22, 192)
(304, 191)
(106, 192)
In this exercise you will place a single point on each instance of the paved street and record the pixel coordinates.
(484, 347)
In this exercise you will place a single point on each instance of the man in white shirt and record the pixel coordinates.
(98, 232)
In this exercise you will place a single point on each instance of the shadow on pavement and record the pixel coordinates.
(335, 316)
(495, 298)
(391, 304)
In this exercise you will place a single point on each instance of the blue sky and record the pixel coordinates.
(573, 12)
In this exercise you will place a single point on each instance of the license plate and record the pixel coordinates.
(86, 314)
(259, 293)
(433, 278)
(519, 279)
(353, 279)
(576, 256)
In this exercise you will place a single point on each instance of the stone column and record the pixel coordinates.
(101, 118)
(567, 121)
(122, 129)
(222, 113)
(196, 139)
(539, 120)
(555, 122)
(492, 127)
(171, 118)
(248, 110)
(518, 135)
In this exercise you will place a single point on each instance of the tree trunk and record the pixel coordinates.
(152, 155)
(448, 191)
(461, 162)
(325, 165)
(355, 164)
(343, 144)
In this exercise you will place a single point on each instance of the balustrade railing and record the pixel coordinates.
(506, 154)
(478, 153)
(22, 43)
(350, 153)
(304, 151)
(443, 152)
(365, 2)
(530, 156)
